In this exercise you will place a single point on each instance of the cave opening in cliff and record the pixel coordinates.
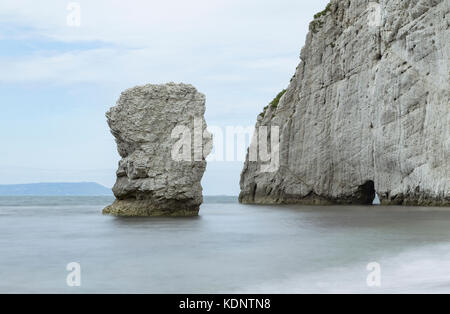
(367, 192)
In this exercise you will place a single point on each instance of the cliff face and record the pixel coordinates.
(151, 179)
(367, 110)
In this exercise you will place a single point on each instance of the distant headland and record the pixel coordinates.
(55, 189)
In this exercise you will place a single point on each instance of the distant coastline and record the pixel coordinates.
(55, 189)
(82, 189)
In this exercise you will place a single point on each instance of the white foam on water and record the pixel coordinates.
(420, 270)
(376, 200)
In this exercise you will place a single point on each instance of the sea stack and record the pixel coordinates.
(367, 110)
(161, 136)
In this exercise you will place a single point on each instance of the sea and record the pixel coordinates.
(66, 245)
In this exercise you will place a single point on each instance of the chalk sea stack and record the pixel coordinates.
(150, 182)
(366, 112)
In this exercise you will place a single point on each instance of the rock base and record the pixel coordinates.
(148, 208)
(296, 200)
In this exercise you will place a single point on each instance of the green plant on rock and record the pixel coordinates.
(324, 12)
(317, 23)
(262, 114)
(274, 103)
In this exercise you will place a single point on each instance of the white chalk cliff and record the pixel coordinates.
(367, 110)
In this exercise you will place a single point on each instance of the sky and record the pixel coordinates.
(58, 78)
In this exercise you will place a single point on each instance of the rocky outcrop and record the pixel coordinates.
(367, 110)
(149, 123)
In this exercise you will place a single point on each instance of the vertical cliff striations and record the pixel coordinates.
(367, 110)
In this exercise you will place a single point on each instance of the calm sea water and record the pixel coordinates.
(230, 248)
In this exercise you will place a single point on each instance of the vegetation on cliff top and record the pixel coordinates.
(274, 103)
(324, 12)
(316, 24)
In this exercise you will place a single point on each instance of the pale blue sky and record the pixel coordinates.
(56, 81)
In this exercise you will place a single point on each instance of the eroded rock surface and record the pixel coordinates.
(149, 181)
(367, 110)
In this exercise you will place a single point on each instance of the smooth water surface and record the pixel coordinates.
(230, 248)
